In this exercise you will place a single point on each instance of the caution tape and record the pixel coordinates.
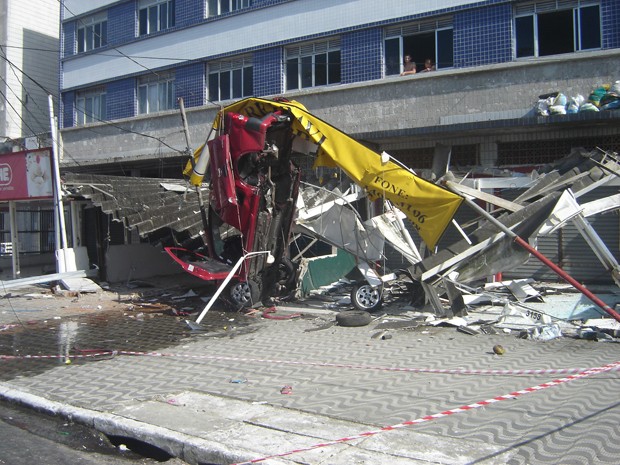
(579, 373)
(435, 416)
(450, 371)
(106, 353)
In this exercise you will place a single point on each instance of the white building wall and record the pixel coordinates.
(3, 68)
(32, 54)
(79, 7)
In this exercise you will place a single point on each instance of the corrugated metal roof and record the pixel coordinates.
(148, 205)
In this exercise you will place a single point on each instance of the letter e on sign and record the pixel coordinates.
(5, 174)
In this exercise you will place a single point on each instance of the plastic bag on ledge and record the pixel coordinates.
(574, 104)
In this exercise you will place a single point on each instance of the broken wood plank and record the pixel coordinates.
(489, 198)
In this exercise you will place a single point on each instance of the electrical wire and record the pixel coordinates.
(28, 95)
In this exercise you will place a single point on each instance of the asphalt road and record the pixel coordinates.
(29, 437)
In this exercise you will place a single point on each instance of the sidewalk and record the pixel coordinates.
(304, 390)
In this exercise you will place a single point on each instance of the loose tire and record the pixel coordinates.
(353, 318)
(365, 297)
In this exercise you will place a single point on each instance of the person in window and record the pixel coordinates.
(409, 67)
(428, 66)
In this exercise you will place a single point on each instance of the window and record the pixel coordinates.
(90, 106)
(155, 15)
(231, 79)
(92, 33)
(424, 40)
(541, 29)
(220, 7)
(155, 93)
(35, 227)
(313, 65)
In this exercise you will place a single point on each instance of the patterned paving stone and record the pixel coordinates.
(344, 373)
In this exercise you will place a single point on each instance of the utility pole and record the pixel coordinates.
(64, 263)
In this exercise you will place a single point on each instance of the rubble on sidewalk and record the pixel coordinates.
(330, 240)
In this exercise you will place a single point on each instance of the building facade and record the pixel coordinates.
(29, 50)
(28, 67)
(125, 64)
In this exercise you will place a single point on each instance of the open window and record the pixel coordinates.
(543, 29)
(432, 40)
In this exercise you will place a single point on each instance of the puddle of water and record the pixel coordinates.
(94, 333)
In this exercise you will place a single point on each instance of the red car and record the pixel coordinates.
(253, 191)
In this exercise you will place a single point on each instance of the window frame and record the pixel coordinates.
(156, 16)
(394, 39)
(35, 225)
(302, 63)
(534, 11)
(98, 106)
(87, 37)
(237, 75)
(159, 90)
(222, 7)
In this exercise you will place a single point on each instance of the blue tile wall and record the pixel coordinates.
(189, 12)
(189, 83)
(610, 16)
(268, 72)
(68, 39)
(121, 98)
(122, 22)
(483, 36)
(360, 55)
(66, 110)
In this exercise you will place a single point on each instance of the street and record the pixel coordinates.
(34, 435)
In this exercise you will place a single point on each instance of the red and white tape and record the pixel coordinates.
(580, 373)
(106, 353)
(451, 371)
(435, 416)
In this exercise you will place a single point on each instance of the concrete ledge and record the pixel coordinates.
(192, 449)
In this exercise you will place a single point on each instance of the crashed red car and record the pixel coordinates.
(254, 186)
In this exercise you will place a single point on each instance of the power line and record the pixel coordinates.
(16, 112)
(102, 53)
(34, 100)
(3, 56)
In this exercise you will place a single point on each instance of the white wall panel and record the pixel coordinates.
(79, 7)
(32, 48)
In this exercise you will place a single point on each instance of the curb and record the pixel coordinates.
(191, 449)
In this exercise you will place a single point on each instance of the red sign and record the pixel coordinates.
(26, 175)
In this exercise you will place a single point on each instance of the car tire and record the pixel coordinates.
(353, 318)
(367, 298)
(245, 293)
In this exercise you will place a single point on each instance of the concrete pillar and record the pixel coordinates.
(488, 153)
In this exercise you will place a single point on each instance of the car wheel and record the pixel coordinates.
(365, 297)
(245, 294)
(353, 318)
(287, 272)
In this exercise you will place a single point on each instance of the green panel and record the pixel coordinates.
(326, 270)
